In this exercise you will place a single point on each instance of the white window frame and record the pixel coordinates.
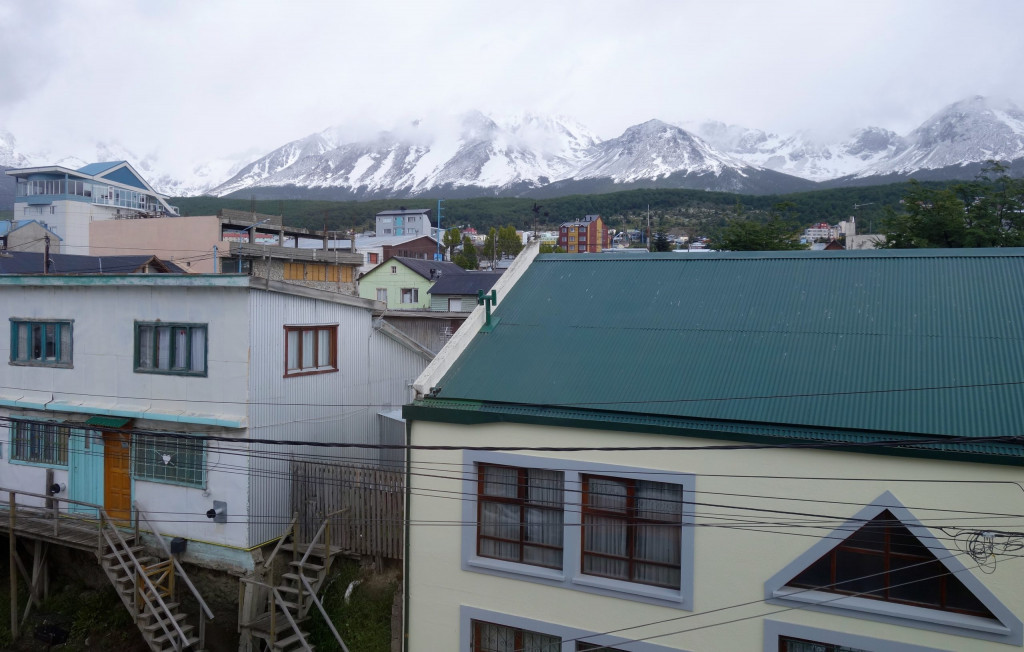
(413, 294)
(570, 576)
(382, 294)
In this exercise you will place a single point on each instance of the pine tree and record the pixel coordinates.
(467, 259)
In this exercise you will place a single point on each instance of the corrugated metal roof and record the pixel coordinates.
(466, 283)
(903, 341)
(424, 267)
(93, 169)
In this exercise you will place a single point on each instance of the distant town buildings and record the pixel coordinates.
(586, 235)
(405, 221)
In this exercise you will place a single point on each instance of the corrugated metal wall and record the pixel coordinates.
(431, 332)
(375, 374)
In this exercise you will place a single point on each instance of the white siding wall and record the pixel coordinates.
(374, 373)
(103, 381)
(731, 564)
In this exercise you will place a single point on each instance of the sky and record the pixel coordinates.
(190, 81)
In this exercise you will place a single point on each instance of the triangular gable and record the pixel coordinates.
(789, 586)
(125, 174)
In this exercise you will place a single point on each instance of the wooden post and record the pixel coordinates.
(13, 570)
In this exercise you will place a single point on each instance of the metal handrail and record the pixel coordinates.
(323, 612)
(106, 520)
(280, 542)
(206, 612)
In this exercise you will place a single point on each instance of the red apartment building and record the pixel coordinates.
(587, 235)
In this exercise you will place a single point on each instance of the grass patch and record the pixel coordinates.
(365, 622)
(96, 619)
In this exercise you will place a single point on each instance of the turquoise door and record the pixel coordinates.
(85, 470)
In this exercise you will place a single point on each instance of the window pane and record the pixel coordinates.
(659, 501)
(37, 342)
(50, 335)
(180, 348)
(913, 581)
(308, 348)
(65, 342)
(606, 494)
(23, 346)
(169, 459)
(146, 353)
(293, 350)
(500, 481)
(324, 348)
(857, 573)
(198, 350)
(163, 347)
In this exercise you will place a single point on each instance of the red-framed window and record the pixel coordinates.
(632, 530)
(519, 514)
(883, 560)
(787, 644)
(310, 349)
(489, 637)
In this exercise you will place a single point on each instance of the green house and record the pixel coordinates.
(402, 283)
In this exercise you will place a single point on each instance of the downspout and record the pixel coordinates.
(405, 571)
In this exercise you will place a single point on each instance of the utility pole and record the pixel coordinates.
(46, 255)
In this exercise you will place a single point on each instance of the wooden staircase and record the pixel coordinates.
(146, 585)
(271, 615)
(159, 617)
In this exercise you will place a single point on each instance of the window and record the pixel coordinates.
(631, 530)
(520, 515)
(382, 294)
(455, 304)
(410, 295)
(373, 258)
(787, 644)
(40, 443)
(170, 348)
(883, 560)
(584, 526)
(43, 343)
(346, 274)
(394, 269)
(488, 637)
(175, 460)
(310, 349)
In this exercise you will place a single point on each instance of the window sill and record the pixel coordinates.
(311, 372)
(840, 603)
(515, 568)
(173, 483)
(630, 588)
(44, 365)
(161, 372)
(45, 465)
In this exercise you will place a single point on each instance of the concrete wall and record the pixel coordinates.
(186, 241)
(738, 542)
(30, 237)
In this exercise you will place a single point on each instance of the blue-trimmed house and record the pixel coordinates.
(762, 452)
(67, 200)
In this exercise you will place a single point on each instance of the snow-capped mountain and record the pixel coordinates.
(974, 130)
(10, 155)
(476, 152)
(803, 154)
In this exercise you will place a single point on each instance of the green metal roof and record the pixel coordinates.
(107, 422)
(917, 342)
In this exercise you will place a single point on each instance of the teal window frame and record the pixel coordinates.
(63, 348)
(39, 443)
(169, 460)
(153, 352)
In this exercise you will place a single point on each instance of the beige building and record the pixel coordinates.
(28, 235)
(757, 469)
(231, 242)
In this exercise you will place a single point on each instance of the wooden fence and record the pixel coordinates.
(374, 500)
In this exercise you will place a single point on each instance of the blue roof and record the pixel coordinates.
(96, 168)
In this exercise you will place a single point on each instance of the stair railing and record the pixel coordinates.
(204, 611)
(293, 529)
(135, 571)
(323, 612)
(288, 615)
(324, 530)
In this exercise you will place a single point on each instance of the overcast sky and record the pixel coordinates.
(189, 81)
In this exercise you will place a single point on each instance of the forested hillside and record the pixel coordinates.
(695, 212)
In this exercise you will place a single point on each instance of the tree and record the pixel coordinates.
(509, 243)
(467, 259)
(490, 243)
(987, 212)
(777, 234)
(550, 249)
(452, 239)
(660, 241)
